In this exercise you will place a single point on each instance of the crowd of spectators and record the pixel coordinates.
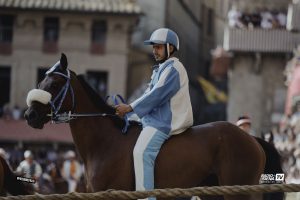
(261, 18)
(287, 141)
(54, 171)
(7, 112)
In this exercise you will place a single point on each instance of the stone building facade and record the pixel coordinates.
(95, 36)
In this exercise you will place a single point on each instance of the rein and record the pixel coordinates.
(68, 116)
(65, 117)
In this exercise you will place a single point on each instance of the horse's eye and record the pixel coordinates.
(38, 85)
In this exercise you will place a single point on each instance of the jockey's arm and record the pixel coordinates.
(163, 90)
(166, 87)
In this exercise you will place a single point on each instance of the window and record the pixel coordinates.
(41, 74)
(99, 31)
(5, 73)
(98, 81)
(51, 34)
(6, 33)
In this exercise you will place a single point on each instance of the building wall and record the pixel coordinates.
(254, 88)
(74, 41)
(221, 9)
(153, 17)
(187, 25)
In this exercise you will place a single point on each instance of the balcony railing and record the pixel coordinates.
(260, 40)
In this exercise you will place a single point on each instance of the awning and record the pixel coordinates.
(19, 130)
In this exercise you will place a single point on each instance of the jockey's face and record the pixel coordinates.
(159, 52)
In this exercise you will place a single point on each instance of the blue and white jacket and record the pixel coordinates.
(166, 104)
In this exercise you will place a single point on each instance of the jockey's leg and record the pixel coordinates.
(145, 152)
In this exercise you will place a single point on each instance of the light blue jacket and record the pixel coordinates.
(166, 104)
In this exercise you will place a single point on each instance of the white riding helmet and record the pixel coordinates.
(163, 36)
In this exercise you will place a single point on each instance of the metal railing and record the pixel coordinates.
(260, 40)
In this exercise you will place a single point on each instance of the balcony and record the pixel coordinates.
(260, 40)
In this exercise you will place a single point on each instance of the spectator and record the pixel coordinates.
(266, 19)
(71, 171)
(275, 22)
(234, 17)
(281, 18)
(7, 111)
(244, 123)
(262, 18)
(16, 156)
(16, 113)
(255, 19)
(51, 155)
(30, 168)
(245, 19)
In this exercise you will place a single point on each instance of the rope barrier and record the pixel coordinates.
(165, 193)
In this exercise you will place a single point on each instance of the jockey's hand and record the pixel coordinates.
(122, 109)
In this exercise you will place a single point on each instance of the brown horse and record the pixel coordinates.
(9, 182)
(184, 161)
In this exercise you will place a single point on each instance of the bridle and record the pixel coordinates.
(60, 97)
(65, 117)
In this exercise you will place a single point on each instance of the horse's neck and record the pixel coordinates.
(91, 135)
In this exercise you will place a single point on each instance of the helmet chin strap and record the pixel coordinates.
(168, 50)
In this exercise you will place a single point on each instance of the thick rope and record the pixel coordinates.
(165, 193)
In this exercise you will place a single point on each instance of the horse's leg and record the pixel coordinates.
(2, 191)
(211, 180)
(231, 175)
(226, 179)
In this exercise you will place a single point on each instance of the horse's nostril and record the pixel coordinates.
(32, 115)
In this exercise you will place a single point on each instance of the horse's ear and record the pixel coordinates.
(63, 62)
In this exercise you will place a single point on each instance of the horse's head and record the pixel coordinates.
(54, 95)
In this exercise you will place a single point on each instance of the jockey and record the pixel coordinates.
(165, 107)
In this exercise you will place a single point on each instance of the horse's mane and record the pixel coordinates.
(96, 98)
(100, 103)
